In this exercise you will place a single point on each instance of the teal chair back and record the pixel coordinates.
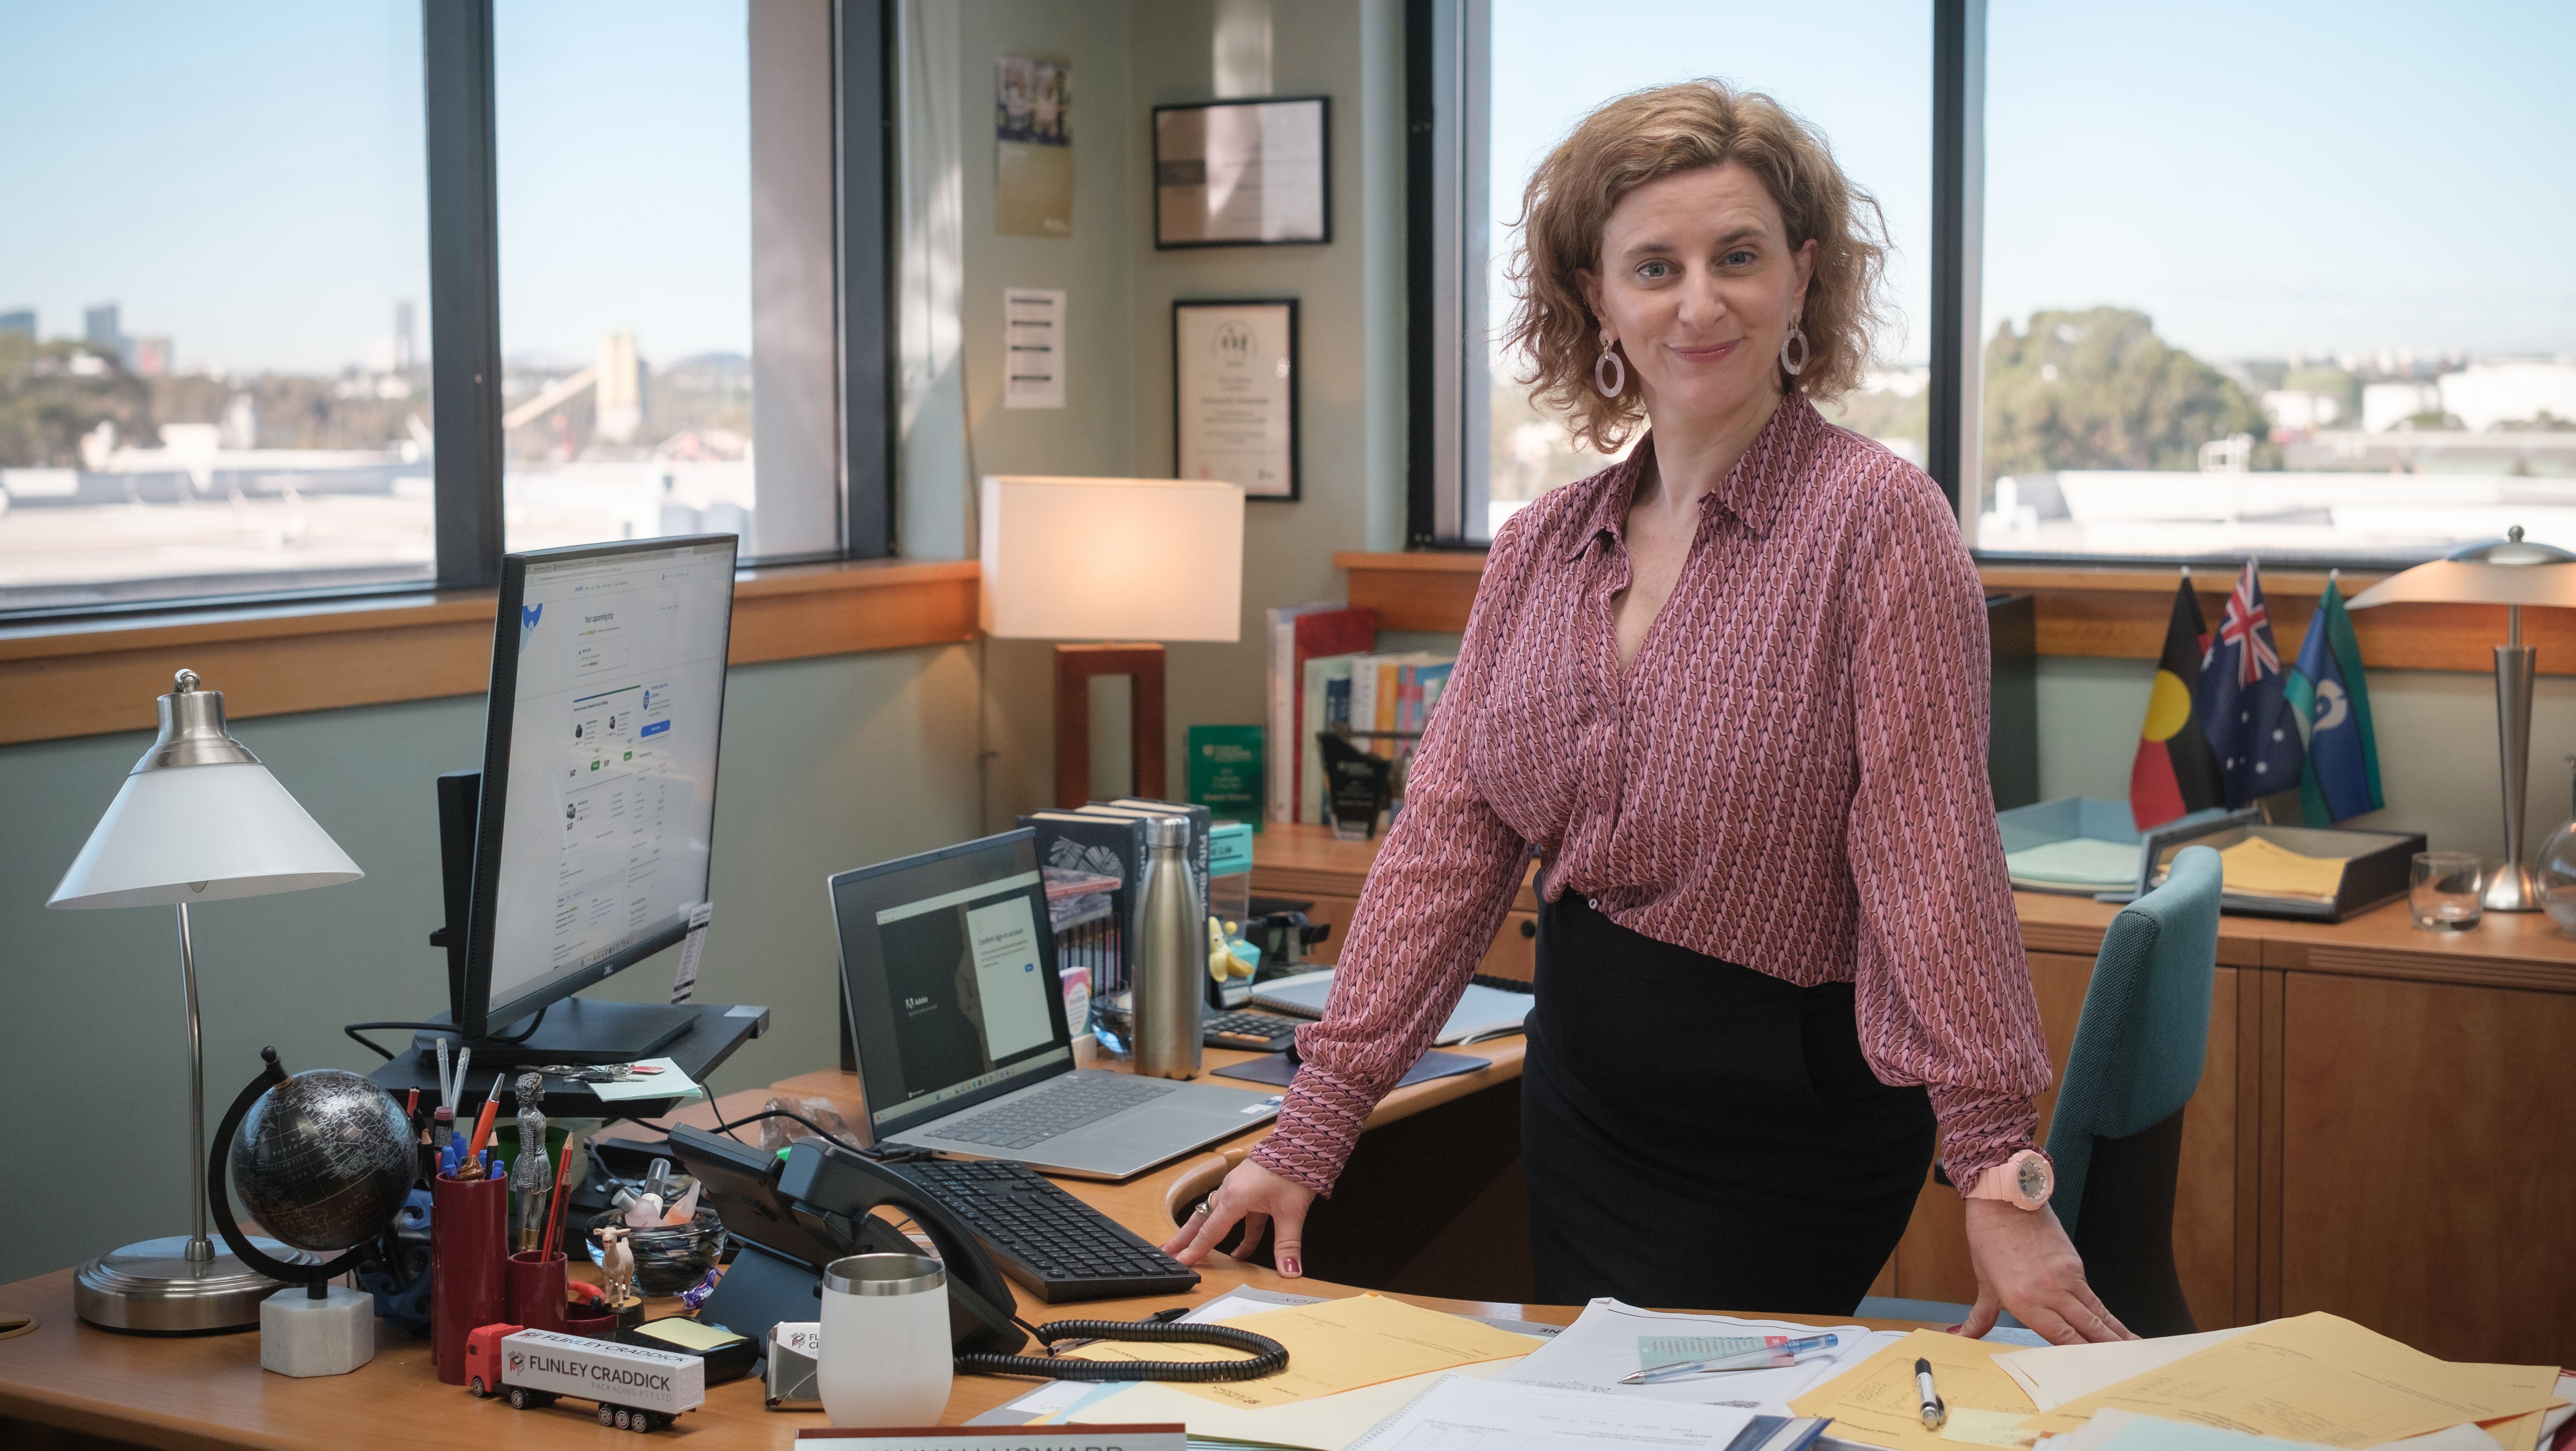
(2116, 1136)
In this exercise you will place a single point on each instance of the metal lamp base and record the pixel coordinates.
(2510, 889)
(153, 1288)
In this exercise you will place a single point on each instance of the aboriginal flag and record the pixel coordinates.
(2176, 771)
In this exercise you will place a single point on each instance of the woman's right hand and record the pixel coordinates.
(1257, 1199)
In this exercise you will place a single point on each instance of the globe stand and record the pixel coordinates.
(329, 1329)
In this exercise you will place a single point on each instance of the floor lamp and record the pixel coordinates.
(1111, 560)
(2511, 573)
(198, 819)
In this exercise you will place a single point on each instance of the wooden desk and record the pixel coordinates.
(2379, 1129)
(67, 1383)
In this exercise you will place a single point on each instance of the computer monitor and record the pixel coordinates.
(948, 978)
(596, 810)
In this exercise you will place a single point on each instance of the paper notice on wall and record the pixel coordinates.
(1033, 347)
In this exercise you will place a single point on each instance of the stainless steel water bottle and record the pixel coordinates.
(1171, 960)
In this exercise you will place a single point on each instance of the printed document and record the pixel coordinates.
(1602, 1345)
(1458, 1414)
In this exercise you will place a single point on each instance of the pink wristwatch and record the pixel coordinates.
(2025, 1180)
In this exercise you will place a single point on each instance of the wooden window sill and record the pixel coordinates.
(94, 676)
(2102, 613)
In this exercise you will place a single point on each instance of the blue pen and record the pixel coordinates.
(1779, 1352)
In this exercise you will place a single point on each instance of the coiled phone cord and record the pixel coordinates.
(1268, 1355)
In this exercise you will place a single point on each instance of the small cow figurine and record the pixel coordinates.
(617, 1264)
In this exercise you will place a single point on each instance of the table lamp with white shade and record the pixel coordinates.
(2512, 573)
(1078, 559)
(198, 819)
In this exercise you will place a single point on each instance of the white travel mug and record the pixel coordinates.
(886, 1359)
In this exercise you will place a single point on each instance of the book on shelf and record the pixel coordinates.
(1298, 634)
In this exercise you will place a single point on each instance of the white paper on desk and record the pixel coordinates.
(669, 1083)
(1326, 1423)
(1601, 1346)
(2061, 1373)
(1457, 1414)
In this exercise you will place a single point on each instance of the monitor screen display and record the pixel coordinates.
(608, 800)
(949, 967)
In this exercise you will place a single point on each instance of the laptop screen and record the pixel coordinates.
(948, 971)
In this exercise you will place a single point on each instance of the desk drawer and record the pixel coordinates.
(1514, 953)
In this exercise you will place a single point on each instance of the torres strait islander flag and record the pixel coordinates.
(2176, 772)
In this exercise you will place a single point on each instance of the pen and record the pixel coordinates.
(446, 1087)
(1780, 1351)
(456, 1095)
(1934, 1413)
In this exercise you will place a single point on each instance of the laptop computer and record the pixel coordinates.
(957, 1030)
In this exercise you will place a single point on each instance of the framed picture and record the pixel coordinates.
(1234, 394)
(1242, 173)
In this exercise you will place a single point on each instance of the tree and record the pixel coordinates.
(2097, 389)
(52, 393)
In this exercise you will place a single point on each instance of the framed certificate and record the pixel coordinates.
(1242, 173)
(1234, 394)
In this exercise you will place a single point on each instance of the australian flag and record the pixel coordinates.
(2244, 705)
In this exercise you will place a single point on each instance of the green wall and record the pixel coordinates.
(827, 764)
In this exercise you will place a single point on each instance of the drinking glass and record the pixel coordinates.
(2443, 892)
(885, 1357)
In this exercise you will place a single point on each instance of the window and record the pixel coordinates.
(247, 249)
(2286, 280)
(628, 159)
(2221, 282)
(1869, 91)
(214, 370)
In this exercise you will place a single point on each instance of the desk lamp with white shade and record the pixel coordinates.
(2511, 573)
(198, 819)
(1108, 560)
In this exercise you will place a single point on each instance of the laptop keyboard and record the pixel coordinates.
(1081, 1099)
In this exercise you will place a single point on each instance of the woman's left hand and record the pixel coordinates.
(2025, 1265)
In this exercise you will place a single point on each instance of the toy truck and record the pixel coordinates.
(637, 1389)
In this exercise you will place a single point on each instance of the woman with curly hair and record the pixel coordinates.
(1733, 691)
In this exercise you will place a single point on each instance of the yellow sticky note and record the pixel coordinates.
(1876, 1401)
(2318, 1378)
(1334, 1346)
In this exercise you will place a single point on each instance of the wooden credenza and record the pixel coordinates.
(2381, 1130)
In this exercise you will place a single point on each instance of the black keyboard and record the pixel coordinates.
(1077, 1099)
(1058, 1246)
(1251, 1032)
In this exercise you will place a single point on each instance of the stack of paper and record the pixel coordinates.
(1876, 1401)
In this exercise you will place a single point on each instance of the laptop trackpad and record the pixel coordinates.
(1176, 1119)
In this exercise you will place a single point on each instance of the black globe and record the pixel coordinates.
(323, 1161)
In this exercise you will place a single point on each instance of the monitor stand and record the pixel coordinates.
(575, 1030)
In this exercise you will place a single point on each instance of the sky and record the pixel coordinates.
(2296, 174)
(249, 179)
(2300, 174)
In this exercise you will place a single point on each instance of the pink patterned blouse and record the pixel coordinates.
(1791, 776)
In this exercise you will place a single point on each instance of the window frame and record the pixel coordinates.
(1447, 171)
(461, 173)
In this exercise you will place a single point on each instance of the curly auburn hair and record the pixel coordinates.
(1650, 134)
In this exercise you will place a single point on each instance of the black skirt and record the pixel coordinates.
(1701, 1136)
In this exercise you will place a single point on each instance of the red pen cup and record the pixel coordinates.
(537, 1290)
(468, 1266)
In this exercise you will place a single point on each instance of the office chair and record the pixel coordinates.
(2116, 1135)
